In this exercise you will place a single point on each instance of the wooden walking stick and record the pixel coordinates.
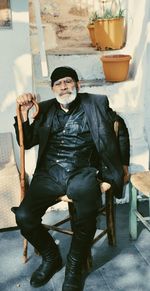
(22, 164)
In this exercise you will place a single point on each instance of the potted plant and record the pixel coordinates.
(110, 27)
(93, 17)
(116, 67)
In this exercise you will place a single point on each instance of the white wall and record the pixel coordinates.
(15, 63)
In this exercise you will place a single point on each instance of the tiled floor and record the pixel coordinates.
(14, 275)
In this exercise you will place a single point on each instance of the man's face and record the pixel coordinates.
(65, 90)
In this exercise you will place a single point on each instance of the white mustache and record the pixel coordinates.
(64, 93)
(70, 96)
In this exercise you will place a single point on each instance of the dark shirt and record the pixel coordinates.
(70, 144)
(61, 116)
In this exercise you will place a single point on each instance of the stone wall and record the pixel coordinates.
(65, 25)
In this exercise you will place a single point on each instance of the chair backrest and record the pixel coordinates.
(6, 148)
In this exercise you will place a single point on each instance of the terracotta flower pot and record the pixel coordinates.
(92, 34)
(116, 67)
(110, 33)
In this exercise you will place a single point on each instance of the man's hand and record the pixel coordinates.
(104, 186)
(25, 102)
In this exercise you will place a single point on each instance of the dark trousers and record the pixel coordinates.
(80, 185)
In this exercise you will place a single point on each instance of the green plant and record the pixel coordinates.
(109, 10)
(114, 11)
(93, 17)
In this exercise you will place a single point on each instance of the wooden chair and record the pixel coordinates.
(107, 209)
(139, 183)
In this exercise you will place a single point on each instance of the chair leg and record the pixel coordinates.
(110, 220)
(132, 215)
(25, 250)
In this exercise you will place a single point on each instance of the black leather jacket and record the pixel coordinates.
(113, 152)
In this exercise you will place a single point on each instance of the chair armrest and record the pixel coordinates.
(104, 186)
(126, 174)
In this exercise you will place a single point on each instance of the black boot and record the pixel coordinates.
(51, 263)
(76, 261)
(73, 274)
(84, 231)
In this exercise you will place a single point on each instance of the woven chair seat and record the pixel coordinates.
(141, 182)
(9, 181)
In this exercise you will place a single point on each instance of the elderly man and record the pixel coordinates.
(77, 145)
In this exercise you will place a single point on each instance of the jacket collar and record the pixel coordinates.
(90, 110)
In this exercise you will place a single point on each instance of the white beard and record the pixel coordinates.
(67, 98)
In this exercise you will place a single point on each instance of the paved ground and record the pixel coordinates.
(124, 267)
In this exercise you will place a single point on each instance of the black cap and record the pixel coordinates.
(62, 72)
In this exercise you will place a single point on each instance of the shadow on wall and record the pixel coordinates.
(16, 75)
(138, 18)
(16, 66)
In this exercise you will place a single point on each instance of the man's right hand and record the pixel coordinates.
(25, 102)
(104, 186)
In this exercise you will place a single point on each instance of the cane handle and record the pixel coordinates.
(36, 108)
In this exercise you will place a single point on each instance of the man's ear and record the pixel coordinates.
(52, 88)
(78, 86)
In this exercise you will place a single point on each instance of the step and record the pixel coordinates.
(88, 66)
(42, 88)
